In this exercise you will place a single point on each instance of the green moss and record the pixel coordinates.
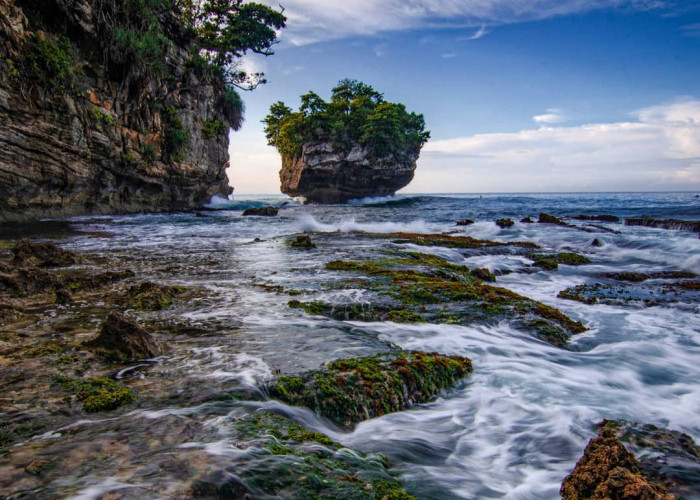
(352, 390)
(578, 293)
(572, 259)
(151, 297)
(545, 262)
(405, 316)
(101, 116)
(49, 62)
(445, 240)
(213, 128)
(149, 153)
(97, 394)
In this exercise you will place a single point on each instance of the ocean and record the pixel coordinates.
(512, 430)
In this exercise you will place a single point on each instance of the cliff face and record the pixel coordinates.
(79, 137)
(325, 174)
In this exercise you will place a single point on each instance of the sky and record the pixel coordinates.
(519, 95)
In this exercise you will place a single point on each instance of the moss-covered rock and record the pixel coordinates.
(634, 292)
(505, 223)
(608, 471)
(296, 463)
(123, 339)
(97, 394)
(449, 241)
(27, 253)
(351, 390)
(303, 241)
(149, 296)
(549, 262)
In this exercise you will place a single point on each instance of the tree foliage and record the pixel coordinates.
(356, 114)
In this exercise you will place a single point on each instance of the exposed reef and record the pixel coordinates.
(679, 225)
(351, 390)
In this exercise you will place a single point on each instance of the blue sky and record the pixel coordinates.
(536, 95)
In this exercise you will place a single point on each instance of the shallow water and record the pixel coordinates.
(514, 429)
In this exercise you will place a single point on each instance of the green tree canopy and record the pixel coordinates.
(356, 114)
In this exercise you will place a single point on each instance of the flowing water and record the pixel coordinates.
(514, 429)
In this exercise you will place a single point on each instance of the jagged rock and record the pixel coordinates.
(601, 217)
(504, 223)
(326, 174)
(124, 337)
(27, 253)
(607, 471)
(596, 243)
(527, 220)
(262, 211)
(63, 296)
(29, 281)
(550, 219)
(465, 222)
(101, 146)
(303, 241)
(681, 225)
(149, 296)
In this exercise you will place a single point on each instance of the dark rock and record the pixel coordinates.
(63, 296)
(465, 222)
(149, 296)
(326, 174)
(200, 214)
(262, 211)
(527, 220)
(504, 223)
(124, 337)
(220, 486)
(601, 218)
(607, 471)
(550, 219)
(596, 243)
(681, 225)
(27, 253)
(29, 281)
(303, 241)
(483, 274)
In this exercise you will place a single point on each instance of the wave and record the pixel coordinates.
(222, 203)
(309, 223)
(391, 201)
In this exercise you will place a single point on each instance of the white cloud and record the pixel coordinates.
(658, 150)
(314, 20)
(480, 33)
(553, 115)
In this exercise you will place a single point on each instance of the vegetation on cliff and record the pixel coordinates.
(356, 114)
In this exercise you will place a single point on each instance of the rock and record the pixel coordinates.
(27, 253)
(149, 296)
(351, 390)
(601, 218)
(550, 219)
(465, 222)
(29, 281)
(303, 241)
(63, 296)
(607, 471)
(262, 211)
(681, 225)
(504, 223)
(483, 274)
(220, 485)
(96, 145)
(325, 174)
(596, 243)
(526, 220)
(124, 337)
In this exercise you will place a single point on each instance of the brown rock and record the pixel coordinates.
(27, 253)
(483, 274)
(504, 223)
(125, 337)
(550, 219)
(607, 471)
(303, 241)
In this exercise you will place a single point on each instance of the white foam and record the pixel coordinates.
(308, 223)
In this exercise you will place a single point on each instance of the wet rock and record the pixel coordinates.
(596, 243)
(680, 225)
(262, 211)
(550, 219)
(149, 296)
(667, 457)
(483, 274)
(635, 291)
(303, 241)
(601, 217)
(527, 220)
(504, 223)
(125, 339)
(638, 277)
(27, 253)
(607, 471)
(448, 241)
(351, 390)
(220, 485)
(28, 281)
(550, 262)
(63, 296)
(465, 222)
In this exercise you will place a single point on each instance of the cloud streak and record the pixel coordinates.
(311, 21)
(659, 149)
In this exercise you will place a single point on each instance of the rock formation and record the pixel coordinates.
(81, 135)
(326, 174)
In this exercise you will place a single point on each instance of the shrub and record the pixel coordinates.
(49, 63)
(212, 128)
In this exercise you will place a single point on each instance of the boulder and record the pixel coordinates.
(262, 211)
(504, 223)
(125, 338)
(465, 222)
(550, 219)
(303, 241)
(27, 253)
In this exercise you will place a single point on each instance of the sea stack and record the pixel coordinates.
(354, 146)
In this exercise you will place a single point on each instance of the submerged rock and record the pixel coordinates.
(504, 223)
(607, 471)
(27, 253)
(636, 291)
(596, 243)
(303, 241)
(465, 222)
(680, 225)
(550, 219)
(483, 274)
(125, 339)
(351, 390)
(262, 211)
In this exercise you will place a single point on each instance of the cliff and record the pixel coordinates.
(98, 118)
(324, 173)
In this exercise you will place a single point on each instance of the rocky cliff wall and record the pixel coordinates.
(77, 137)
(325, 174)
